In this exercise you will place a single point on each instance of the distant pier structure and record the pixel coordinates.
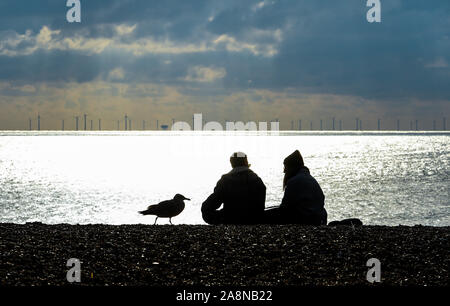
(357, 124)
(76, 123)
(85, 122)
(62, 126)
(379, 124)
(333, 124)
(340, 125)
(99, 124)
(398, 124)
(126, 122)
(29, 124)
(444, 126)
(39, 122)
(299, 125)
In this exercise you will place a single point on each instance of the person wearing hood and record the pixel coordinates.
(241, 192)
(303, 201)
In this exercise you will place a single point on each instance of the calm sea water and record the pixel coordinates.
(106, 177)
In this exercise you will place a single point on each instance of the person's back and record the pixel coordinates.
(242, 194)
(303, 200)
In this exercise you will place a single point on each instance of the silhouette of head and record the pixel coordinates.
(292, 164)
(180, 197)
(239, 159)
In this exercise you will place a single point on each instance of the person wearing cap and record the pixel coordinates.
(241, 192)
(303, 201)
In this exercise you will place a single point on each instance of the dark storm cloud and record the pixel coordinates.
(340, 53)
(312, 46)
(54, 66)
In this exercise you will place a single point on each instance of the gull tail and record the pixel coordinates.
(151, 210)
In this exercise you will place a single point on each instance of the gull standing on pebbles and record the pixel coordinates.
(166, 209)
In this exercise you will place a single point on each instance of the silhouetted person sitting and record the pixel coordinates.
(303, 201)
(241, 192)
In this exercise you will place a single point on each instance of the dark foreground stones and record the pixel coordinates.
(183, 255)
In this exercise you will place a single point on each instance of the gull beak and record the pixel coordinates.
(187, 199)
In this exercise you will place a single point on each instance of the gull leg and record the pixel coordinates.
(155, 220)
(170, 220)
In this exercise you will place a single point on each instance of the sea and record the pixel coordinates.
(91, 177)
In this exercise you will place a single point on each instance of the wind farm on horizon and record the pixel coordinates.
(126, 124)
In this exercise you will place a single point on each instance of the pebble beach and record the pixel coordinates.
(36, 254)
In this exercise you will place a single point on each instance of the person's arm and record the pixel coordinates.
(288, 198)
(261, 196)
(212, 203)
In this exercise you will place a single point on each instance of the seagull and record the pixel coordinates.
(166, 209)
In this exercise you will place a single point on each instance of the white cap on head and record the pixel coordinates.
(238, 154)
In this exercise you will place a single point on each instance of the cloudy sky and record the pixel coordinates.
(230, 60)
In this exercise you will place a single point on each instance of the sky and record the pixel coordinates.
(289, 60)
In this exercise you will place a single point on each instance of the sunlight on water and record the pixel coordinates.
(106, 177)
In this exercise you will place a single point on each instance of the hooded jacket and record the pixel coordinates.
(303, 200)
(243, 196)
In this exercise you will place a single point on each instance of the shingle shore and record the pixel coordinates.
(184, 255)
